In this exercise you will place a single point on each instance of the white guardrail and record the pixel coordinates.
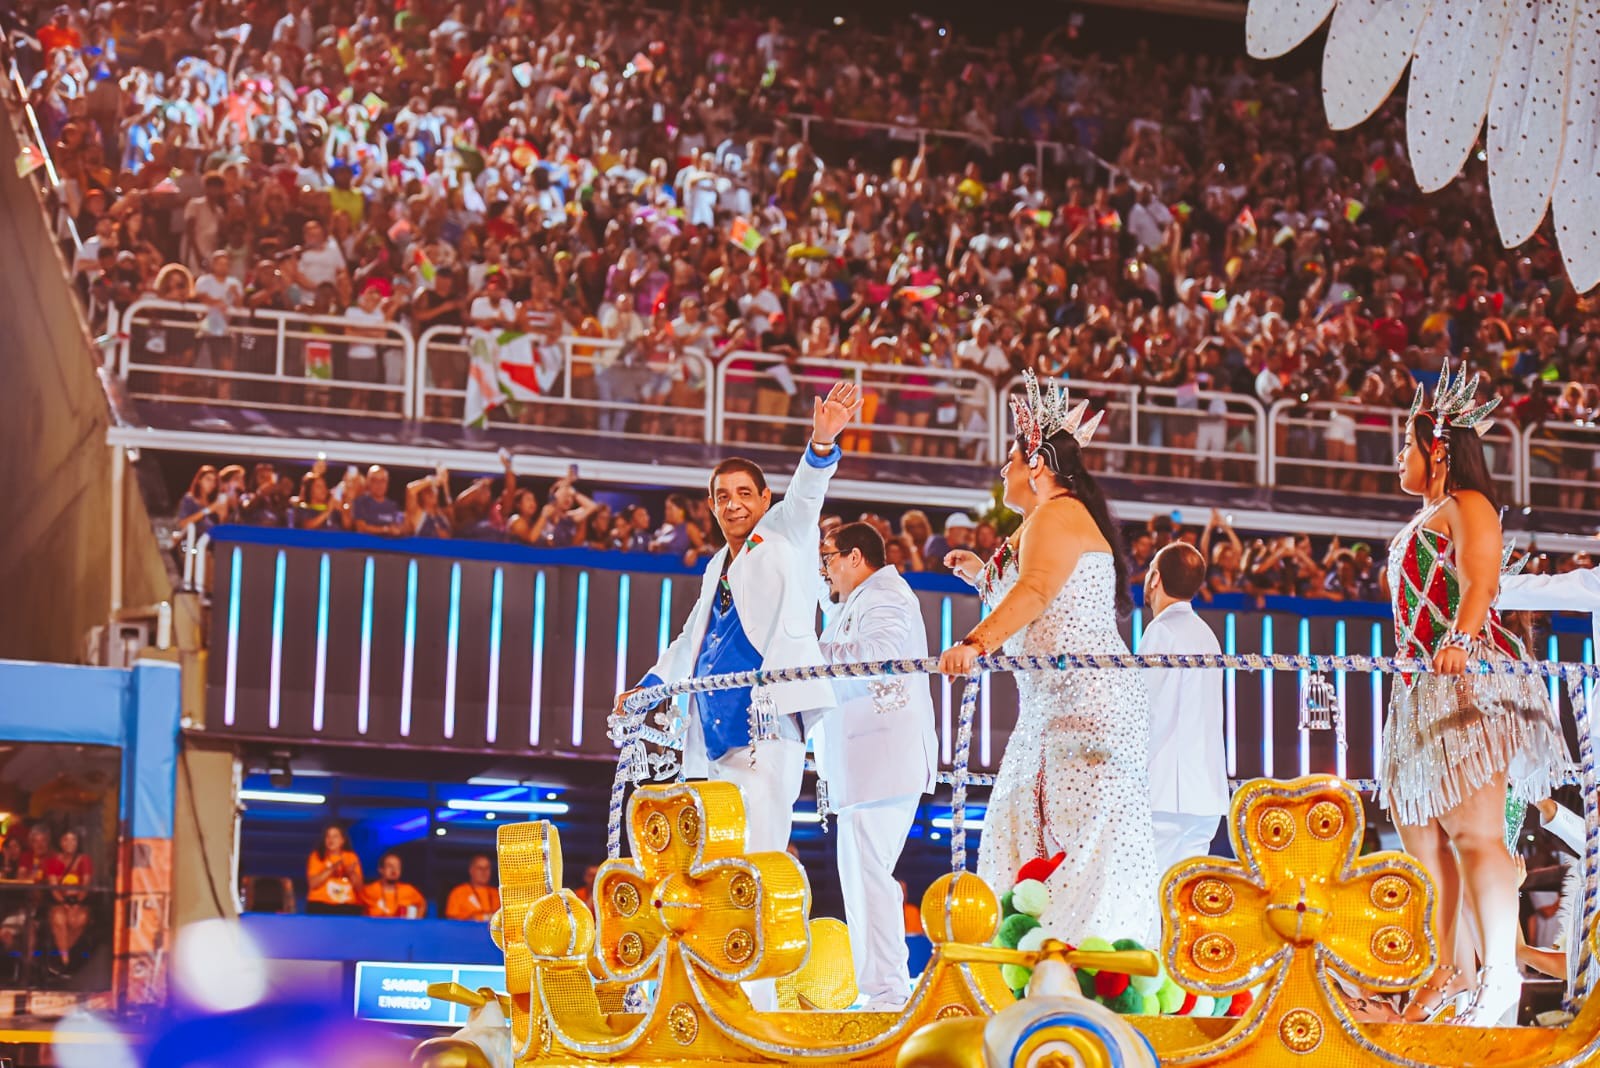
(187, 353)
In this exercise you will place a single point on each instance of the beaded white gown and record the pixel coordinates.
(1075, 774)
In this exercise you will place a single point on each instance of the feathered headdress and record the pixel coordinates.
(1043, 415)
(1455, 402)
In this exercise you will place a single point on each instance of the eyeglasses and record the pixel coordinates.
(826, 557)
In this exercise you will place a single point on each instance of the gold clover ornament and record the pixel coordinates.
(690, 889)
(1298, 907)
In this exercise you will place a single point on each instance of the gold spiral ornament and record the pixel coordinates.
(1212, 897)
(684, 1023)
(742, 891)
(630, 948)
(1393, 945)
(689, 825)
(625, 899)
(1214, 953)
(1325, 820)
(1301, 1030)
(657, 831)
(1391, 893)
(739, 944)
(1275, 828)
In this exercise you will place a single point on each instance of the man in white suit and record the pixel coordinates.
(1188, 759)
(758, 609)
(876, 751)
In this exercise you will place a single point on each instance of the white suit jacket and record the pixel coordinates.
(775, 591)
(879, 742)
(1576, 591)
(1188, 755)
(1568, 826)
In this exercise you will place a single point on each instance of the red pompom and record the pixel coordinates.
(1241, 1003)
(1188, 1004)
(1110, 984)
(1039, 868)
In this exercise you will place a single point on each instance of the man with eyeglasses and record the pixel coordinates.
(876, 751)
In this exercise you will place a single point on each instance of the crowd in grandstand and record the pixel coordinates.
(558, 168)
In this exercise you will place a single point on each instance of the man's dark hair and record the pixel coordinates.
(1182, 570)
(736, 464)
(395, 855)
(861, 536)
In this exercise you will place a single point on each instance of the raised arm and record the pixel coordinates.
(797, 515)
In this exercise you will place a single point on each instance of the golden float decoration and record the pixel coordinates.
(659, 975)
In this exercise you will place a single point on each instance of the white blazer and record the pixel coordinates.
(1576, 591)
(1188, 755)
(879, 742)
(775, 591)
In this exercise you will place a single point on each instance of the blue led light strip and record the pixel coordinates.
(408, 665)
(364, 695)
(451, 652)
(319, 692)
(491, 727)
(580, 650)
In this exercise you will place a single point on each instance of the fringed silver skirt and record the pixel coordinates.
(1447, 736)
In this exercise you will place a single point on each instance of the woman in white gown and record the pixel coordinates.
(1074, 778)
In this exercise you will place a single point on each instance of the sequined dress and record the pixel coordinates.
(1445, 737)
(1075, 774)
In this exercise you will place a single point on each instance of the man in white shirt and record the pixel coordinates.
(220, 292)
(1574, 591)
(320, 258)
(876, 751)
(981, 353)
(1188, 760)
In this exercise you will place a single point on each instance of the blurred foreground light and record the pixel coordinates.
(217, 966)
(83, 1040)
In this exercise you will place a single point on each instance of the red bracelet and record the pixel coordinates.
(975, 643)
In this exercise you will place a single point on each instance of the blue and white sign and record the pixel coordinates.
(398, 993)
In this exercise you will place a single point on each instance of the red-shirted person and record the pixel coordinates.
(37, 853)
(477, 899)
(58, 33)
(333, 876)
(68, 873)
(391, 899)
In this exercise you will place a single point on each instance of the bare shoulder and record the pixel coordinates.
(1470, 508)
(1068, 520)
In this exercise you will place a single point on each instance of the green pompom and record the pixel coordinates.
(1124, 945)
(1152, 1006)
(1085, 982)
(1015, 976)
(1007, 908)
(1031, 941)
(1171, 996)
(1148, 985)
(1127, 1003)
(1095, 945)
(1203, 1005)
(1012, 928)
(1220, 1008)
(1030, 897)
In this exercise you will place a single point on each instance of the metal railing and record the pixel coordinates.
(1561, 466)
(908, 413)
(1164, 432)
(1351, 449)
(598, 388)
(286, 361)
(63, 218)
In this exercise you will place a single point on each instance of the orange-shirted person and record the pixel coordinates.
(478, 898)
(391, 899)
(333, 876)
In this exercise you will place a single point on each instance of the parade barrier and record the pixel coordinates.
(630, 732)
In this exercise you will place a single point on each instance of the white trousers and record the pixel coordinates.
(1181, 836)
(770, 786)
(871, 838)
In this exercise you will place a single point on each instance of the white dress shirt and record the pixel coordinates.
(1188, 757)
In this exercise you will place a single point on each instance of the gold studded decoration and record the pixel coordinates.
(739, 944)
(684, 1023)
(1325, 820)
(1212, 897)
(625, 898)
(1214, 953)
(951, 1011)
(1391, 893)
(630, 948)
(657, 831)
(1275, 828)
(742, 891)
(1301, 1030)
(689, 825)
(1392, 945)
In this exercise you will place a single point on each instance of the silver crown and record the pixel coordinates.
(1455, 402)
(1046, 414)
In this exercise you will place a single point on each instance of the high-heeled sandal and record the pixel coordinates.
(1498, 994)
(1422, 1009)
